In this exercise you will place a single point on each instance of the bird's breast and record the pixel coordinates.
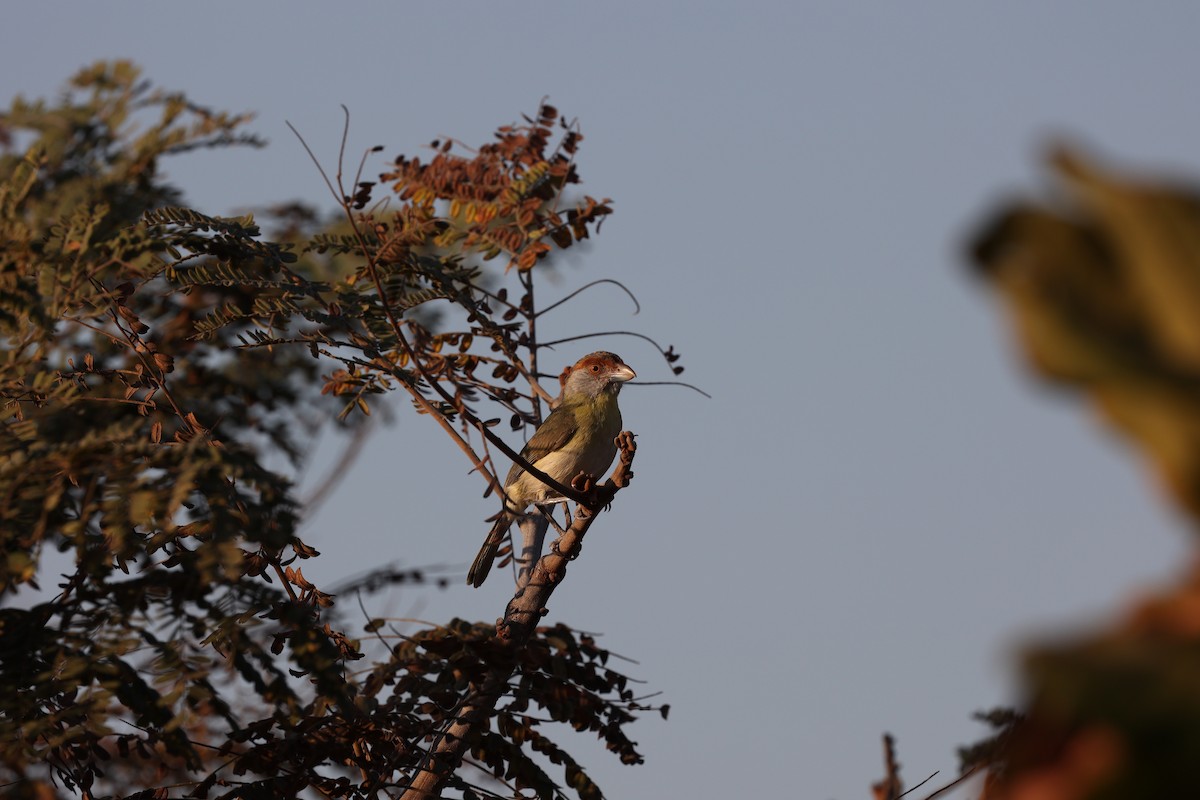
(590, 450)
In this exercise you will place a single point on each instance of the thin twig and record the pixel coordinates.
(342, 149)
(684, 384)
(918, 786)
(313, 157)
(338, 472)
(287, 585)
(133, 341)
(954, 782)
(637, 307)
(95, 328)
(362, 607)
(527, 279)
(606, 333)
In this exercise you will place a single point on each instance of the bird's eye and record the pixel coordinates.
(595, 367)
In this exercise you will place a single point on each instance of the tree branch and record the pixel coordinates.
(515, 629)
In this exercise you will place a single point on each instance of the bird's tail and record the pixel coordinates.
(487, 554)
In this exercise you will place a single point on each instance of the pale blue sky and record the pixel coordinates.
(878, 505)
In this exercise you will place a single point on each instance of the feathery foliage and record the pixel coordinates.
(155, 360)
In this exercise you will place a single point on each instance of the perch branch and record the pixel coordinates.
(514, 630)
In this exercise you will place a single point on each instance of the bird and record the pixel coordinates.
(578, 436)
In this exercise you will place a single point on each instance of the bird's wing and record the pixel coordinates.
(552, 435)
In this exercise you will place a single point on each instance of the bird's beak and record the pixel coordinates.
(621, 374)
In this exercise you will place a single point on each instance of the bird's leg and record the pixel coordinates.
(533, 528)
(533, 534)
(548, 512)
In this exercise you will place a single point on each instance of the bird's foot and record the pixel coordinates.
(593, 493)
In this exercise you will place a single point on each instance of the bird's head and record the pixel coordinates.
(596, 373)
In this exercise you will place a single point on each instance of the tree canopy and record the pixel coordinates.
(157, 363)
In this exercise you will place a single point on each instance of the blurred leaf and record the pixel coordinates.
(1104, 295)
(1103, 289)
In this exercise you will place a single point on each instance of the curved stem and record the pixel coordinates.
(637, 307)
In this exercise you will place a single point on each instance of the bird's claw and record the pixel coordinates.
(584, 483)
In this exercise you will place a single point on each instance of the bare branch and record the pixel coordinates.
(953, 783)
(684, 384)
(637, 307)
(312, 156)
